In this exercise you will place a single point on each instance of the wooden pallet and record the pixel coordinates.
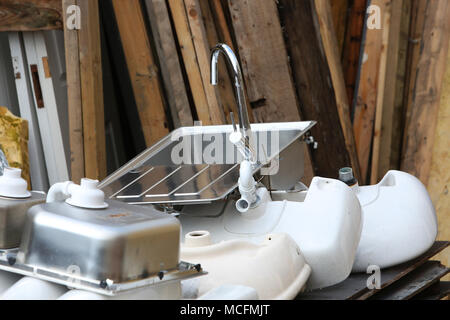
(415, 279)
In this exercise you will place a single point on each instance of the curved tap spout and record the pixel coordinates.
(244, 123)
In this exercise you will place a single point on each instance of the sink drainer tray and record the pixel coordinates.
(105, 287)
(153, 177)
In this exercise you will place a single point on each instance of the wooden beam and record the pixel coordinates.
(380, 107)
(181, 23)
(332, 53)
(225, 87)
(265, 64)
(439, 182)
(202, 51)
(423, 109)
(352, 47)
(92, 91)
(74, 103)
(30, 15)
(339, 11)
(371, 87)
(398, 119)
(224, 36)
(170, 64)
(312, 76)
(142, 69)
(381, 150)
(264, 60)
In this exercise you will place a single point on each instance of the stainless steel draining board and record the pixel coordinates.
(106, 287)
(157, 177)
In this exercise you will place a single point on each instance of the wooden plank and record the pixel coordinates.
(30, 15)
(224, 36)
(355, 286)
(92, 91)
(423, 109)
(330, 46)
(38, 172)
(339, 11)
(181, 23)
(398, 114)
(142, 69)
(439, 182)
(74, 103)
(352, 46)
(312, 76)
(381, 149)
(123, 95)
(414, 283)
(47, 115)
(202, 51)
(371, 88)
(265, 65)
(225, 87)
(169, 62)
(437, 291)
(264, 60)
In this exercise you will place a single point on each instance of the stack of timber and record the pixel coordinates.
(369, 72)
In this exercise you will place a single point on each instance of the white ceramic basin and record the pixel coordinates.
(400, 222)
(326, 226)
(275, 268)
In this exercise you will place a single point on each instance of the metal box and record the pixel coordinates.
(121, 243)
(12, 218)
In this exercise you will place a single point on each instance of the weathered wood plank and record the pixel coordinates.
(163, 36)
(143, 71)
(202, 51)
(339, 10)
(312, 76)
(398, 118)
(423, 110)
(371, 87)
(181, 23)
(92, 91)
(74, 103)
(331, 50)
(355, 286)
(265, 65)
(352, 47)
(224, 36)
(381, 150)
(413, 284)
(264, 60)
(225, 88)
(439, 182)
(30, 15)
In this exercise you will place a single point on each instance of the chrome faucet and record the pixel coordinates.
(244, 123)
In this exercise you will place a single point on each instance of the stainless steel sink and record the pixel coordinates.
(199, 164)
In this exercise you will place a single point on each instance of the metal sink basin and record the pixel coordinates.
(199, 164)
